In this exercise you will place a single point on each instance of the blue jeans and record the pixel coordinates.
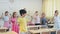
(53, 32)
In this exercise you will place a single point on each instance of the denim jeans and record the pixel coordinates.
(53, 32)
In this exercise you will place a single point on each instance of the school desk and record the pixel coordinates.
(42, 31)
(51, 24)
(34, 27)
(10, 32)
(3, 29)
(39, 25)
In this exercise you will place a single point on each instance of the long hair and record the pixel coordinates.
(13, 14)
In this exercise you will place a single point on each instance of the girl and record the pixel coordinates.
(6, 20)
(14, 23)
(36, 18)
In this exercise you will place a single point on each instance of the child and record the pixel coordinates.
(56, 20)
(6, 20)
(23, 22)
(36, 18)
(43, 20)
(14, 23)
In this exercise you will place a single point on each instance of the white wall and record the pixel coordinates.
(30, 5)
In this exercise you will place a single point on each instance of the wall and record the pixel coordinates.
(16, 5)
(30, 5)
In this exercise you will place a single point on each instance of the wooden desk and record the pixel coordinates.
(10, 32)
(34, 26)
(41, 31)
(39, 25)
(3, 29)
(51, 24)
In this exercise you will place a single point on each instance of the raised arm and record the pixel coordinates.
(1, 17)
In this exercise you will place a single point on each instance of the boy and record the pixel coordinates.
(22, 22)
(43, 20)
(56, 20)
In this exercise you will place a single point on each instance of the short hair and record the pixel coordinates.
(6, 12)
(56, 11)
(22, 11)
(36, 12)
(43, 13)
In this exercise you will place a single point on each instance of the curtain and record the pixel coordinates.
(48, 6)
(58, 5)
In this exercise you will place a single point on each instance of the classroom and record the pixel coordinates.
(29, 16)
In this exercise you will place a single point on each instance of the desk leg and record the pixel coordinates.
(40, 32)
(5, 30)
(56, 32)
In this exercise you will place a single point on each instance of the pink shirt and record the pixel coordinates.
(13, 20)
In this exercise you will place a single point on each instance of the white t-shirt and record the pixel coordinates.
(37, 20)
(57, 22)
